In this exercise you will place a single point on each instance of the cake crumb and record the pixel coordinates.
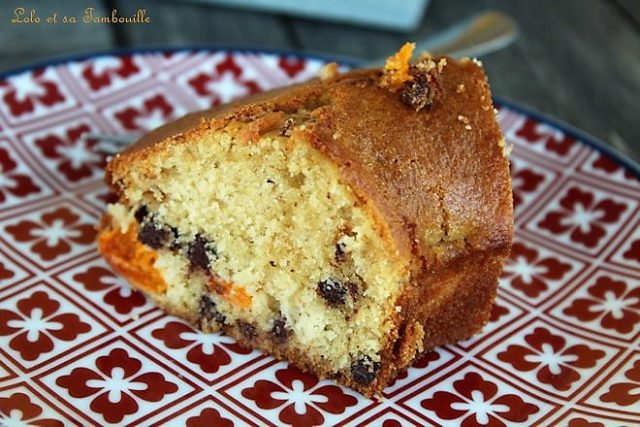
(441, 64)
(329, 71)
(477, 62)
(398, 308)
(460, 88)
(508, 149)
(463, 119)
(423, 66)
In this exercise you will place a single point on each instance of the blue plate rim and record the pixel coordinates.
(576, 133)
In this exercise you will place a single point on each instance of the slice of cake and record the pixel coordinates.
(346, 225)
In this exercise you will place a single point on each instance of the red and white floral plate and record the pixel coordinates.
(79, 347)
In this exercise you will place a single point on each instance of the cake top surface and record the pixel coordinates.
(438, 175)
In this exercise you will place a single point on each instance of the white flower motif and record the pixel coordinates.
(55, 232)
(207, 341)
(14, 420)
(614, 305)
(6, 181)
(582, 218)
(226, 87)
(521, 267)
(479, 407)
(79, 154)
(548, 357)
(35, 325)
(25, 86)
(299, 397)
(116, 384)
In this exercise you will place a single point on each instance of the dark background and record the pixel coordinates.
(578, 60)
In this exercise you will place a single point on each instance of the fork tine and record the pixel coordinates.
(110, 144)
(109, 148)
(115, 139)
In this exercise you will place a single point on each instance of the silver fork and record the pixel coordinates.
(476, 36)
(110, 143)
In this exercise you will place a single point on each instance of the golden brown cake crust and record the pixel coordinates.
(438, 178)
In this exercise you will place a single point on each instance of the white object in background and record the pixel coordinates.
(402, 15)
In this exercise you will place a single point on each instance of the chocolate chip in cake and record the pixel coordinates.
(340, 254)
(153, 235)
(209, 311)
(333, 292)
(418, 93)
(425, 85)
(279, 330)
(141, 214)
(287, 127)
(364, 370)
(175, 234)
(247, 329)
(354, 290)
(200, 252)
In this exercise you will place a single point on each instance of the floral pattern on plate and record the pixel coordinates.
(79, 347)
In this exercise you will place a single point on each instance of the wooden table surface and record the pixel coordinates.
(578, 60)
